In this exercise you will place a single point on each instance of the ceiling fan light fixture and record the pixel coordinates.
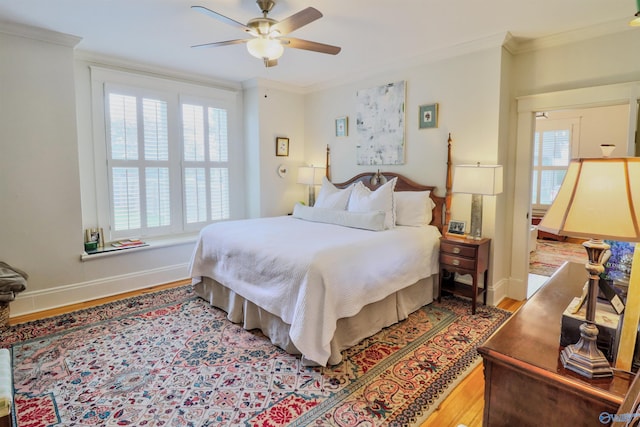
(262, 48)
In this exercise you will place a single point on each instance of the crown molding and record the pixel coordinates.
(261, 83)
(122, 64)
(40, 34)
(518, 45)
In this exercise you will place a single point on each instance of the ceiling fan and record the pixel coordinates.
(268, 40)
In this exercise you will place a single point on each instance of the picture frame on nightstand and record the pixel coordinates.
(457, 227)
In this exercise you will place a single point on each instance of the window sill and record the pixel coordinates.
(153, 243)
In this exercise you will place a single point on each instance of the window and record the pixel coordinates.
(138, 163)
(168, 168)
(205, 156)
(551, 156)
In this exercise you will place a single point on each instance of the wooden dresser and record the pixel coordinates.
(525, 382)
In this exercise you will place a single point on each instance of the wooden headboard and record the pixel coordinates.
(373, 180)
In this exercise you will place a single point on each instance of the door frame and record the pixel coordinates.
(527, 106)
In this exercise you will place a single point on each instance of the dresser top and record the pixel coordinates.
(530, 339)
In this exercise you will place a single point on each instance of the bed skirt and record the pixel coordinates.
(349, 331)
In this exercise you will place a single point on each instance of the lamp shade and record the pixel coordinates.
(310, 175)
(599, 198)
(478, 179)
(635, 22)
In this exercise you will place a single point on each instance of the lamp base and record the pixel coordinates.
(312, 195)
(476, 217)
(584, 357)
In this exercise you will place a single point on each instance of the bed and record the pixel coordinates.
(316, 283)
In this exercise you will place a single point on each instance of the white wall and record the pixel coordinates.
(468, 109)
(592, 62)
(597, 125)
(40, 219)
(278, 112)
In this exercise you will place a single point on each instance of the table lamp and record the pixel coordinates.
(477, 180)
(311, 176)
(598, 199)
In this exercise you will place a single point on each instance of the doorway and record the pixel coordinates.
(559, 137)
(588, 100)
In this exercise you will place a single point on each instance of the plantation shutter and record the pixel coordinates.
(551, 157)
(163, 161)
(138, 162)
(206, 169)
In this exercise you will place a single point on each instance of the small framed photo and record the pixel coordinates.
(94, 236)
(457, 227)
(342, 126)
(428, 116)
(282, 146)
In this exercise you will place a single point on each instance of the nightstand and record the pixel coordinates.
(463, 256)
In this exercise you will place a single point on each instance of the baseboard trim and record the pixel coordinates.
(497, 292)
(34, 301)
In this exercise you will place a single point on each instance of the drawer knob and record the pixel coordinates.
(456, 250)
(456, 262)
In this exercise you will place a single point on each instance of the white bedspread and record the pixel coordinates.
(312, 274)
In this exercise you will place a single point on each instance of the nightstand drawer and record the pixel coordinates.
(456, 261)
(465, 251)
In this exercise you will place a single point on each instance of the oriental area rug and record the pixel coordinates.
(169, 359)
(549, 256)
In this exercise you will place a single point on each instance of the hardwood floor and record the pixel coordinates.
(464, 405)
(73, 307)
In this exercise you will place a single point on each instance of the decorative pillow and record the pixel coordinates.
(373, 221)
(364, 200)
(331, 197)
(414, 208)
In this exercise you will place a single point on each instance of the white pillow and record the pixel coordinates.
(413, 208)
(331, 197)
(373, 221)
(364, 200)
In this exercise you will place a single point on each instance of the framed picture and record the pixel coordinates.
(428, 116)
(342, 126)
(282, 146)
(456, 227)
(94, 235)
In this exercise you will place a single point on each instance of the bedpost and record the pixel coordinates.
(328, 164)
(447, 196)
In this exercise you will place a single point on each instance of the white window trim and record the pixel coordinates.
(172, 90)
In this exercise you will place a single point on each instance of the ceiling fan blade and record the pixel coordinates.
(224, 43)
(297, 20)
(222, 18)
(308, 45)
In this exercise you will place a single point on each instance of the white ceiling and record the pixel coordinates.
(373, 34)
